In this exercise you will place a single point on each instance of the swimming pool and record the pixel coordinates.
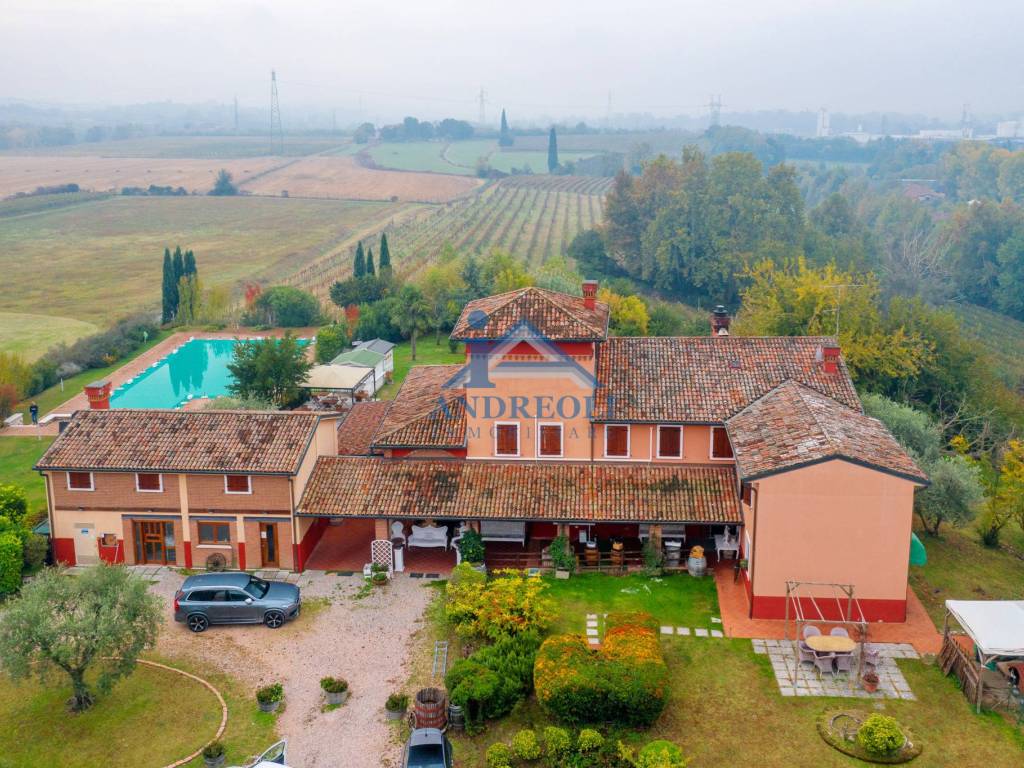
(198, 368)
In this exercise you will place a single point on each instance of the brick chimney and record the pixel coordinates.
(590, 294)
(99, 395)
(720, 321)
(830, 359)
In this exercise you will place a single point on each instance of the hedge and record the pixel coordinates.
(491, 681)
(623, 682)
(11, 562)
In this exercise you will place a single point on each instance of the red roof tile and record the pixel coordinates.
(416, 418)
(356, 430)
(556, 316)
(562, 492)
(706, 379)
(794, 425)
(250, 442)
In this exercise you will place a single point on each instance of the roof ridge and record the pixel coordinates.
(547, 295)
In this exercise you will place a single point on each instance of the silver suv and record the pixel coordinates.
(234, 598)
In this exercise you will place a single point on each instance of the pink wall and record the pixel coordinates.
(643, 445)
(832, 522)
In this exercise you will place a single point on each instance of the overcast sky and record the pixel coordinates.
(550, 57)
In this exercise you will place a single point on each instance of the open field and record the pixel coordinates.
(17, 455)
(460, 157)
(30, 335)
(667, 142)
(24, 173)
(343, 177)
(235, 239)
(203, 147)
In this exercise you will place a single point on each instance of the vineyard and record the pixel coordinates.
(534, 218)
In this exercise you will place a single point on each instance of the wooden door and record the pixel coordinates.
(268, 544)
(150, 543)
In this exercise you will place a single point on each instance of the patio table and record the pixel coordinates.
(830, 644)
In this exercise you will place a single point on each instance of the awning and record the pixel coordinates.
(996, 626)
(918, 556)
(337, 377)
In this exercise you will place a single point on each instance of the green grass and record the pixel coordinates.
(416, 156)
(17, 455)
(30, 335)
(427, 353)
(960, 568)
(460, 157)
(33, 204)
(96, 261)
(153, 717)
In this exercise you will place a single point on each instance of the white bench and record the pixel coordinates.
(503, 530)
(428, 536)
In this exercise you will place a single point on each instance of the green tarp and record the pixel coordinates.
(917, 554)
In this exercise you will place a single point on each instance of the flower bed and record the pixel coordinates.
(864, 736)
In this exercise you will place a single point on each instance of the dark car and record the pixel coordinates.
(234, 598)
(427, 748)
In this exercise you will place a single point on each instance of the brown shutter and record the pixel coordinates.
(670, 441)
(238, 483)
(721, 448)
(148, 481)
(617, 440)
(508, 439)
(551, 440)
(79, 480)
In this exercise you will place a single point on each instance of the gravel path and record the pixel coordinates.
(365, 641)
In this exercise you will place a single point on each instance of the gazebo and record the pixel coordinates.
(992, 633)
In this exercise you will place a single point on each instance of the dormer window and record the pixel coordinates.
(721, 448)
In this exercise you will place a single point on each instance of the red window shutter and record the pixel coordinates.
(670, 441)
(617, 440)
(79, 480)
(148, 481)
(238, 483)
(551, 440)
(721, 448)
(508, 439)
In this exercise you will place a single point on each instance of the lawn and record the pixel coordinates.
(416, 156)
(427, 353)
(30, 335)
(960, 568)
(17, 455)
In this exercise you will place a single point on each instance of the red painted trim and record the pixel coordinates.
(241, 555)
(305, 547)
(187, 547)
(746, 585)
(64, 551)
(114, 554)
(874, 610)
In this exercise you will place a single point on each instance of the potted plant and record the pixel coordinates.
(562, 557)
(471, 549)
(396, 705)
(870, 681)
(335, 688)
(378, 574)
(213, 754)
(269, 697)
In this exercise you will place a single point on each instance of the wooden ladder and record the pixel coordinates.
(440, 657)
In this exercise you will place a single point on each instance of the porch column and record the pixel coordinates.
(562, 529)
(654, 536)
(186, 525)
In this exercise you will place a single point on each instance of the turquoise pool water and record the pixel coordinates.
(198, 368)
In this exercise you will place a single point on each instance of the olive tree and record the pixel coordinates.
(95, 624)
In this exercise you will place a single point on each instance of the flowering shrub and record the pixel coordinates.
(499, 756)
(880, 735)
(589, 740)
(623, 682)
(557, 743)
(525, 745)
(505, 606)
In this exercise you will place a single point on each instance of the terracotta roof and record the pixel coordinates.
(250, 442)
(706, 379)
(356, 430)
(414, 488)
(556, 316)
(416, 418)
(794, 425)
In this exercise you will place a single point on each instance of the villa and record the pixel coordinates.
(756, 448)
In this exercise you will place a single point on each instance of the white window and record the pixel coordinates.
(616, 441)
(80, 481)
(149, 482)
(506, 438)
(721, 448)
(549, 439)
(237, 484)
(670, 442)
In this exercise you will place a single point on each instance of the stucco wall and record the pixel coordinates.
(643, 445)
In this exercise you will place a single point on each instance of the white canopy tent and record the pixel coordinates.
(995, 626)
(340, 378)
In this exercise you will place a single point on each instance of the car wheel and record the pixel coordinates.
(273, 619)
(197, 622)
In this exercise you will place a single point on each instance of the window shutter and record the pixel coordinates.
(670, 441)
(148, 481)
(551, 440)
(617, 437)
(721, 448)
(508, 439)
(238, 483)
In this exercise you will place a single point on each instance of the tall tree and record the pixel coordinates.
(359, 265)
(552, 150)
(369, 262)
(179, 272)
(170, 288)
(269, 369)
(189, 264)
(385, 254)
(505, 137)
(411, 314)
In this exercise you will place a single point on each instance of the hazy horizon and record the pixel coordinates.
(533, 58)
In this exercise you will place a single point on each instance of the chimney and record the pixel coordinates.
(829, 358)
(720, 321)
(98, 394)
(590, 294)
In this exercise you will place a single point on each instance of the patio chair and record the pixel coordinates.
(871, 656)
(398, 530)
(824, 663)
(804, 653)
(811, 631)
(838, 632)
(844, 662)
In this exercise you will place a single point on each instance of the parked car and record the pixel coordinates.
(427, 748)
(272, 758)
(234, 598)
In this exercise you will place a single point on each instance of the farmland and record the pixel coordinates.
(1002, 338)
(199, 147)
(460, 157)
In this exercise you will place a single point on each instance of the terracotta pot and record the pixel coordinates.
(870, 683)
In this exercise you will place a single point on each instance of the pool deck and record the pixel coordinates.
(140, 364)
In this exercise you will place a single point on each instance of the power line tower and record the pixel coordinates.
(275, 118)
(714, 106)
(483, 106)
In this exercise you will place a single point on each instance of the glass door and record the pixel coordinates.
(154, 543)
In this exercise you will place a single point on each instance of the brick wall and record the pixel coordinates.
(114, 490)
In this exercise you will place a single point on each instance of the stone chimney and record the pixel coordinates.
(830, 359)
(720, 321)
(99, 395)
(590, 294)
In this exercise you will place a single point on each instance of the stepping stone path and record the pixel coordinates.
(796, 679)
(593, 633)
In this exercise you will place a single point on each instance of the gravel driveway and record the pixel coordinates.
(366, 641)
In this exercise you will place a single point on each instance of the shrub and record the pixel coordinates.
(334, 684)
(507, 605)
(624, 682)
(13, 503)
(880, 735)
(525, 745)
(589, 740)
(499, 756)
(471, 547)
(490, 682)
(213, 750)
(34, 552)
(462, 594)
(330, 342)
(284, 306)
(270, 693)
(557, 742)
(11, 562)
(8, 399)
(562, 555)
(397, 702)
(661, 754)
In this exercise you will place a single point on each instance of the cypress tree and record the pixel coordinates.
(169, 288)
(359, 266)
(552, 151)
(369, 262)
(179, 271)
(505, 136)
(190, 263)
(385, 254)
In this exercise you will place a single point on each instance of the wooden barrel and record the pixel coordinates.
(431, 708)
